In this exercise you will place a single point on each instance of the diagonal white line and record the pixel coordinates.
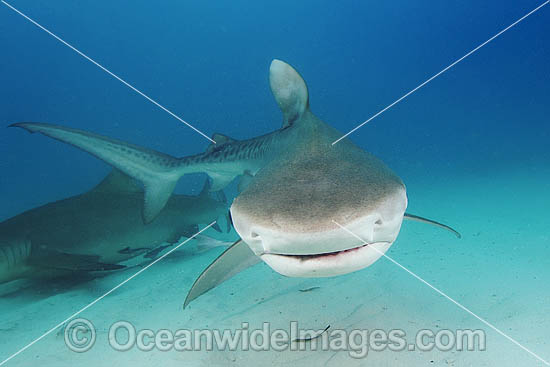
(438, 74)
(103, 296)
(449, 298)
(108, 72)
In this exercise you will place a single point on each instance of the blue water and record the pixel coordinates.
(471, 146)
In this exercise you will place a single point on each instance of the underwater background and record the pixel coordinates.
(472, 147)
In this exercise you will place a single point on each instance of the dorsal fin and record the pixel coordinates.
(289, 90)
(220, 140)
(116, 181)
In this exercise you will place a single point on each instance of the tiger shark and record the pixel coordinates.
(295, 187)
(97, 230)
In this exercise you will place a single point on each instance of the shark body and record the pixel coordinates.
(298, 186)
(97, 230)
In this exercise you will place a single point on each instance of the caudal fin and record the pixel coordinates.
(158, 172)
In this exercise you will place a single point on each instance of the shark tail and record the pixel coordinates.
(158, 172)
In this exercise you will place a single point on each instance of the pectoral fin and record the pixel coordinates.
(232, 261)
(432, 222)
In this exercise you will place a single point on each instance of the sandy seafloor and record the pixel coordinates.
(499, 270)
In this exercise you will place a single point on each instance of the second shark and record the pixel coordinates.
(97, 230)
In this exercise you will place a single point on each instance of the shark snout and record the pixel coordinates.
(326, 249)
(264, 239)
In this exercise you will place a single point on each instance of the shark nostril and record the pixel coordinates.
(254, 235)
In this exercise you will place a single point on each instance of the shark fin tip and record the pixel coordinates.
(22, 125)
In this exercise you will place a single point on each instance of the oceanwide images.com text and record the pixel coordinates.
(81, 336)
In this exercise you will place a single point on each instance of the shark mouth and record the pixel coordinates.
(326, 264)
(324, 254)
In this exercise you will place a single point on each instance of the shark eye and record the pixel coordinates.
(378, 222)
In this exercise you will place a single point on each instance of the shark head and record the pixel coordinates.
(291, 213)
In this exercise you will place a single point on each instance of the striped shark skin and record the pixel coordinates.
(159, 172)
(296, 187)
(97, 230)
